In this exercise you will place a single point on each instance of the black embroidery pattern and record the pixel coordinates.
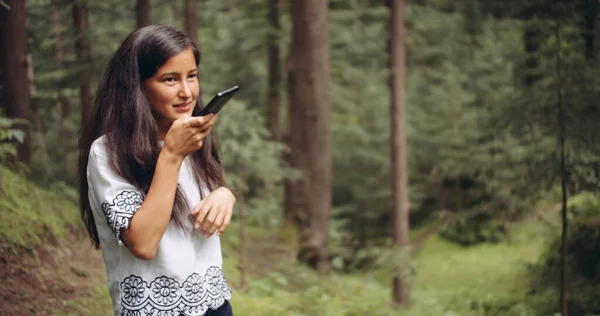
(165, 296)
(119, 213)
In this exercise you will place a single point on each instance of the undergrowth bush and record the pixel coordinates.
(10, 137)
(295, 289)
(474, 228)
(583, 264)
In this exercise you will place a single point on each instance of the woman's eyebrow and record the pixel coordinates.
(174, 73)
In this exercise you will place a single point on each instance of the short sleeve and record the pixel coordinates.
(110, 195)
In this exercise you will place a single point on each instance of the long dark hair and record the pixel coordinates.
(123, 114)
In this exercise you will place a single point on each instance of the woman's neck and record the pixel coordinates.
(162, 129)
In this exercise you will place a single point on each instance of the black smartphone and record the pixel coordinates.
(217, 103)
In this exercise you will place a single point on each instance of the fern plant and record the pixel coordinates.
(10, 137)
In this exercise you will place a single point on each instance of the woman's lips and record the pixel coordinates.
(183, 107)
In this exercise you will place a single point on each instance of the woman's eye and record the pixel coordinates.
(193, 76)
(169, 80)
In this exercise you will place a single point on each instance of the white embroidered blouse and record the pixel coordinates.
(184, 278)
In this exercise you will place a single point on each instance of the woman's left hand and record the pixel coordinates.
(213, 213)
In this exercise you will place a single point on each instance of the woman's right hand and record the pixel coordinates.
(187, 134)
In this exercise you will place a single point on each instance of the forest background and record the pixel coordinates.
(497, 103)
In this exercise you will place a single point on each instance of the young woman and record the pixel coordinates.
(151, 184)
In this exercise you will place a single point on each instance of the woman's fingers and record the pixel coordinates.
(209, 222)
(202, 215)
(218, 222)
(215, 220)
(225, 224)
(196, 209)
(213, 214)
(199, 133)
(199, 121)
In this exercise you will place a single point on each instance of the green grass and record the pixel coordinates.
(453, 279)
(449, 280)
(28, 214)
(96, 302)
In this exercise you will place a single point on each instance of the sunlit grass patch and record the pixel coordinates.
(452, 278)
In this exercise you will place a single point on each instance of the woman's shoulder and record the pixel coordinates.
(98, 147)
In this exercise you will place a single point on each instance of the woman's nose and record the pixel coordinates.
(185, 91)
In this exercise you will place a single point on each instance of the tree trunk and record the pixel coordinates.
(563, 177)
(274, 70)
(442, 197)
(400, 215)
(191, 19)
(14, 63)
(191, 29)
(590, 13)
(309, 119)
(84, 59)
(458, 195)
(142, 13)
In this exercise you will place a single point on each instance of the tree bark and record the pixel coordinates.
(84, 59)
(564, 302)
(309, 119)
(142, 13)
(274, 70)
(458, 195)
(191, 19)
(14, 63)
(400, 213)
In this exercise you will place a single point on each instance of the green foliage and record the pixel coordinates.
(10, 137)
(583, 262)
(477, 280)
(474, 228)
(246, 152)
(360, 126)
(253, 163)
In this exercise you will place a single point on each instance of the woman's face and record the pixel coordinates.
(173, 89)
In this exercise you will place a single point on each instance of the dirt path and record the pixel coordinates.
(55, 279)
